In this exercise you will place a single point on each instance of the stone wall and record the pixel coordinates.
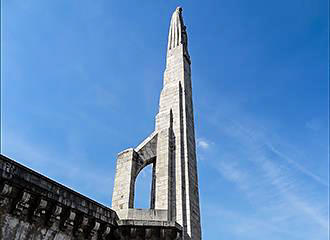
(33, 206)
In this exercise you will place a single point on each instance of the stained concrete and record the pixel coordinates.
(170, 148)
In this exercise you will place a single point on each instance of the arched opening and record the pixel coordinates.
(142, 191)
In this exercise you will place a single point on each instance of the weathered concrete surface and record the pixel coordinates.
(33, 207)
(170, 148)
(143, 214)
(153, 230)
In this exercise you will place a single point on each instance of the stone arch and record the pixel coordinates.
(129, 164)
(139, 170)
(144, 164)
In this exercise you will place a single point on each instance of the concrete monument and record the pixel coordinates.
(33, 206)
(170, 148)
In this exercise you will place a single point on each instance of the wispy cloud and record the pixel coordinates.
(274, 183)
(70, 168)
(203, 143)
(298, 166)
(251, 225)
(258, 139)
(274, 194)
(231, 172)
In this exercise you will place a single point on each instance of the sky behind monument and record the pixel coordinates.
(81, 82)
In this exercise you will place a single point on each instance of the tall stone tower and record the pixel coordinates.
(170, 148)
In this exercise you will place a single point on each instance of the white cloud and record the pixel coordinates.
(275, 184)
(202, 143)
(298, 166)
(231, 172)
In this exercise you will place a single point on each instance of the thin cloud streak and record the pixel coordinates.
(283, 183)
(251, 225)
(250, 134)
(298, 166)
(61, 167)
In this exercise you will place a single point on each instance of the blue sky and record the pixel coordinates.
(81, 82)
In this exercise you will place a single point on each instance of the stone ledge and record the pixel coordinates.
(36, 199)
(125, 151)
(153, 230)
(149, 223)
(143, 214)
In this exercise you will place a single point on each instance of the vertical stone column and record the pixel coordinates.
(165, 181)
(162, 181)
(123, 192)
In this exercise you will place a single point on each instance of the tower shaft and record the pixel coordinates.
(170, 148)
(176, 113)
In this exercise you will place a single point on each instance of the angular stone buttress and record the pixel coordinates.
(170, 149)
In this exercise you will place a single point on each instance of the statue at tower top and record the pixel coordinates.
(177, 33)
